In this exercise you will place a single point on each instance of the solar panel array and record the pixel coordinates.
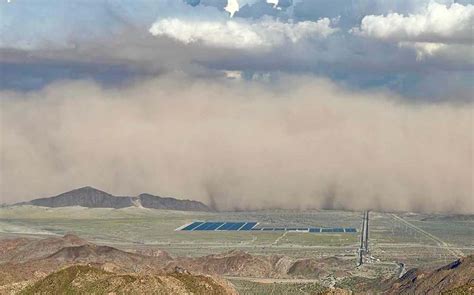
(248, 226)
(251, 226)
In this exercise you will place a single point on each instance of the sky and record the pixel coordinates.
(398, 73)
(410, 47)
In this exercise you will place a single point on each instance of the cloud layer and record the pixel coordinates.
(437, 24)
(436, 29)
(407, 46)
(239, 144)
(239, 34)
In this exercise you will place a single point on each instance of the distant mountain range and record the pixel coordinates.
(93, 198)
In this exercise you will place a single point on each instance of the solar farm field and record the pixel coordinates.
(135, 227)
(253, 226)
(415, 239)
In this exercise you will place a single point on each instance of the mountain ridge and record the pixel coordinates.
(457, 276)
(91, 197)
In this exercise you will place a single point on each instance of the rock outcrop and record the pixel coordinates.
(458, 275)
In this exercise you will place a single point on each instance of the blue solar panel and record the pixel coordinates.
(338, 230)
(237, 225)
(202, 226)
(248, 226)
(209, 226)
(192, 225)
(215, 225)
(226, 226)
(291, 228)
(350, 230)
(314, 230)
(327, 230)
(231, 226)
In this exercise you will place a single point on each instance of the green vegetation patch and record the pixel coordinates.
(81, 279)
(255, 288)
(62, 282)
(361, 284)
(466, 289)
(198, 284)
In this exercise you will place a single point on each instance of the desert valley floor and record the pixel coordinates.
(396, 240)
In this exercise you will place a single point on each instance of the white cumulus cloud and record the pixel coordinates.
(241, 34)
(438, 24)
(437, 27)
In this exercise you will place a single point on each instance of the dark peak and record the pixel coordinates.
(148, 195)
(87, 189)
(85, 197)
(84, 192)
(156, 202)
(91, 197)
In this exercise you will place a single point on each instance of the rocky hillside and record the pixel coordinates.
(454, 278)
(82, 279)
(71, 265)
(28, 258)
(58, 262)
(242, 264)
(93, 198)
(24, 263)
(22, 250)
(29, 261)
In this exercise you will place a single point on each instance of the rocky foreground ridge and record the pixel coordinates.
(71, 265)
(60, 264)
(454, 278)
